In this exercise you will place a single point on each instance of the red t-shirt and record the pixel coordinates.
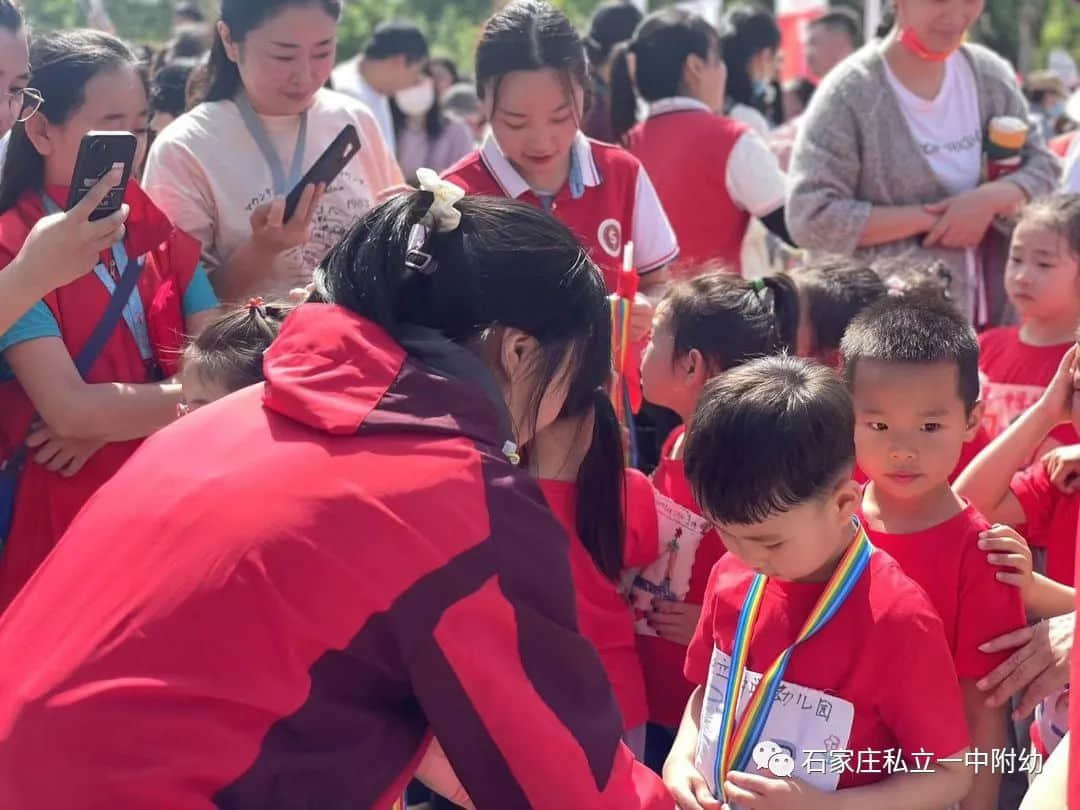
(662, 660)
(1014, 376)
(1074, 722)
(1051, 517)
(884, 652)
(974, 607)
(604, 616)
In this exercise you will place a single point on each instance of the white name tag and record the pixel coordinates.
(802, 724)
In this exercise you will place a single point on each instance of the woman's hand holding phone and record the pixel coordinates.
(64, 246)
(272, 235)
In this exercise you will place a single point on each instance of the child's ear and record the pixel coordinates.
(974, 420)
(697, 372)
(692, 68)
(846, 499)
(39, 131)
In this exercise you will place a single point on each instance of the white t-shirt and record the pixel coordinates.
(948, 129)
(208, 175)
(347, 78)
(1070, 177)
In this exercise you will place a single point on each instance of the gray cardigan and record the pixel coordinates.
(855, 150)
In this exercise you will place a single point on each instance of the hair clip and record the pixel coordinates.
(416, 258)
(445, 196)
(757, 285)
(510, 450)
(256, 303)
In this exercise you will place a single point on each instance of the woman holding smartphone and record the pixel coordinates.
(222, 171)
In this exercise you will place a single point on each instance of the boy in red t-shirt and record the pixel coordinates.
(876, 678)
(912, 365)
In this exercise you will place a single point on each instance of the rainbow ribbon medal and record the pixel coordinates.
(737, 739)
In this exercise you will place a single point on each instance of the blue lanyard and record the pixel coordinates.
(134, 314)
(282, 184)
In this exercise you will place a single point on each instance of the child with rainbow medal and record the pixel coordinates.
(824, 678)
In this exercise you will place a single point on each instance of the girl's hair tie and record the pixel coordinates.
(256, 304)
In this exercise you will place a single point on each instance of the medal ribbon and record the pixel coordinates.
(737, 738)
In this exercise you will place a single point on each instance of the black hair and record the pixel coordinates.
(168, 87)
(397, 38)
(449, 64)
(661, 46)
(435, 119)
(508, 264)
(791, 425)
(730, 320)
(748, 31)
(229, 351)
(244, 16)
(834, 292)
(1061, 214)
(529, 35)
(189, 42)
(906, 277)
(914, 329)
(611, 23)
(62, 63)
(842, 19)
(10, 16)
(190, 11)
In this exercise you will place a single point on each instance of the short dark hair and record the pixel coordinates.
(1061, 214)
(914, 329)
(835, 291)
(168, 87)
(10, 16)
(842, 19)
(768, 436)
(397, 37)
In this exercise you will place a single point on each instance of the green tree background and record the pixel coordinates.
(453, 25)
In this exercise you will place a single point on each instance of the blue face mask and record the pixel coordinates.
(761, 88)
(1057, 110)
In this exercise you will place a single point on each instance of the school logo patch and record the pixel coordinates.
(610, 237)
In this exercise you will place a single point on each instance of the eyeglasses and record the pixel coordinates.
(24, 103)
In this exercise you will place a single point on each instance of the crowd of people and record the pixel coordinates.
(497, 471)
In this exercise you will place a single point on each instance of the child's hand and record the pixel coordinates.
(675, 621)
(1009, 550)
(1063, 466)
(687, 785)
(1057, 400)
(641, 317)
(65, 457)
(436, 773)
(755, 792)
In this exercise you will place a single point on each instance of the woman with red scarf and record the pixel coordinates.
(80, 431)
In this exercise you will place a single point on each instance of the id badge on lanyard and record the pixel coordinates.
(134, 312)
(282, 183)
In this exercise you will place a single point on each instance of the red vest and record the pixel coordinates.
(686, 154)
(46, 502)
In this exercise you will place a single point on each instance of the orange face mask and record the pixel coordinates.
(910, 40)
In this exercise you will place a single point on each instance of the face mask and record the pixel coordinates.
(910, 40)
(416, 100)
(761, 88)
(1057, 110)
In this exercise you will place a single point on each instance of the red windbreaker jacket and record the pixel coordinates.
(277, 598)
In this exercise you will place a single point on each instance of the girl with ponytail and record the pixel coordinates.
(712, 173)
(704, 327)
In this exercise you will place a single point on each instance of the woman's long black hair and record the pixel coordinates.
(242, 17)
(508, 264)
(748, 31)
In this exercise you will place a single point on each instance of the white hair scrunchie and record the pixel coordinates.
(444, 215)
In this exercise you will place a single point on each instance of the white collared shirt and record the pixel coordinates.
(347, 78)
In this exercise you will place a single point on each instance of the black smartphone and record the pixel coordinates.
(327, 167)
(99, 152)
